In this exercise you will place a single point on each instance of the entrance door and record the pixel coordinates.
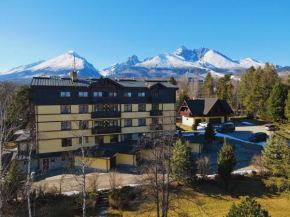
(45, 164)
(112, 162)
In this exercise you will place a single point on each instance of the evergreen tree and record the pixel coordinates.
(182, 163)
(20, 106)
(182, 96)
(224, 87)
(287, 107)
(172, 80)
(207, 88)
(209, 133)
(226, 162)
(247, 207)
(276, 102)
(15, 180)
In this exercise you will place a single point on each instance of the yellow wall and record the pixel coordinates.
(96, 163)
(188, 121)
(195, 147)
(127, 159)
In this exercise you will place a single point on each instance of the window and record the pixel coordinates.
(83, 94)
(86, 138)
(127, 108)
(98, 108)
(114, 138)
(25, 162)
(99, 139)
(62, 158)
(142, 107)
(113, 108)
(112, 94)
(65, 125)
(65, 109)
(84, 125)
(99, 123)
(83, 109)
(128, 94)
(126, 137)
(141, 94)
(155, 106)
(64, 94)
(52, 160)
(155, 94)
(113, 123)
(98, 94)
(155, 120)
(142, 122)
(66, 142)
(128, 123)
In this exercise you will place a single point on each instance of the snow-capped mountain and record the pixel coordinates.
(112, 70)
(61, 65)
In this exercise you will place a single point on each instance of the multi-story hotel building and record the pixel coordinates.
(104, 111)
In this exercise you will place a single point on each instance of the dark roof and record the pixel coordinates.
(203, 106)
(86, 82)
(34, 156)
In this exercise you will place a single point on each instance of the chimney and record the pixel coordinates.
(74, 76)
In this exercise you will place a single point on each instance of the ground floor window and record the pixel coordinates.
(114, 138)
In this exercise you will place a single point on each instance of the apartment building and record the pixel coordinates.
(109, 112)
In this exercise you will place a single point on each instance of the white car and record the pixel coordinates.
(203, 124)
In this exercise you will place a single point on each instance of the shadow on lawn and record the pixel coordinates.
(240, 186)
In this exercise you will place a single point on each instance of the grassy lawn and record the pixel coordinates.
(214, 201)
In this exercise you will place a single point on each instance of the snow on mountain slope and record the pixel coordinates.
(248, 62)
(166, 60)
(217, 60)
(61, 65)
(191, 55)
(115, 68)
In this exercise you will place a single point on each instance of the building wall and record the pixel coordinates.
(95, 163)
(125, 159)
(189, 121)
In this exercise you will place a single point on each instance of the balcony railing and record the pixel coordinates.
(184, 113)
(156, 113)
(156, 127)
(109, 114)
(106, 130)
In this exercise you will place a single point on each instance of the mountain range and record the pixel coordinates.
(177, 63)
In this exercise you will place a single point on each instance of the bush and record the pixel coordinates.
(91, 200)
(119, 198)
(194, 127)
(247, 207)
(221, 140)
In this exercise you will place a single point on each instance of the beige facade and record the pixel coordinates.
(189, 121)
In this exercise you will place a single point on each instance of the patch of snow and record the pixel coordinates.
(70, 193)
(248, 123)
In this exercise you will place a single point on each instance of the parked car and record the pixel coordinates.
(226, 127)
(258, 137)
(203, 124)
(270, 127)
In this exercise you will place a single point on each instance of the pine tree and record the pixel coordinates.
(15, 180)
(247, 207)
(182, 163)
(226, 162)
(172, 80)
(207, 88)
(224, 87)
(287, 107)
(209, 133)
(276, 102)
(272, 155)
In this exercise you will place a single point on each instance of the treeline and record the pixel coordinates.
(257, 93)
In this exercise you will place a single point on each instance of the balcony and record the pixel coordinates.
(106, 130)
(109, 114)
(185, 113)
(156, 113)
(156, 127)
(156, 99)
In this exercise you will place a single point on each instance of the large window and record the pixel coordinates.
(66, 142)
(128, 123)
(128, 94)
(65, 94)
(112, 94)
(65, 125)
(142, 122)
(114, 138)
(127, 108)
(84, 125)
(155, 106)
(98, 94)
(113, 107)
(83, 94)
(142, 107)
(113, 123)
(86, 139)
(141, 94)
(83, 108)
(98, 108)
(65, 109)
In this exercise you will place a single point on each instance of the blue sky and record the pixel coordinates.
(108, 31)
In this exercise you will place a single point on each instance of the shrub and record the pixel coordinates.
(119, 198)
(247, 207)
(194, 127)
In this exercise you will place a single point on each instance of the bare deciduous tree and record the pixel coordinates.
(115, 180)
(257, 162)
(203, 166)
